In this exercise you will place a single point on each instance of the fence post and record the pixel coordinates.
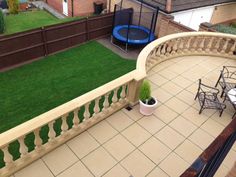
(87, 28)
(44, 39)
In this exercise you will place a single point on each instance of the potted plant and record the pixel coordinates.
(146, 101)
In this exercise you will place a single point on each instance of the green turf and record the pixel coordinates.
(30, 20)
(38, 87)
(35, 88)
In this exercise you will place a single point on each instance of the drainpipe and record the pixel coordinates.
(72, 8)
(109, 6)
(169, 5)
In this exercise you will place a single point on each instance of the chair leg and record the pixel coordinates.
(196, 96)
(233, 115)
(221, 111)
(201, 109)
(217, 82)
(222, 93)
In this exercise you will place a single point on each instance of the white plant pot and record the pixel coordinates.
(146, 109)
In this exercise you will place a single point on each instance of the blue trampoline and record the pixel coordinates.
(133, 34)
(132, 27)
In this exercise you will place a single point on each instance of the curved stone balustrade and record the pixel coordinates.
(112, 96)
(186, 44)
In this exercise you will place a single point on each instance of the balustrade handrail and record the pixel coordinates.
(144, 54)
(43, 119)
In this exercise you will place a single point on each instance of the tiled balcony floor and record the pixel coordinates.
(161, 145)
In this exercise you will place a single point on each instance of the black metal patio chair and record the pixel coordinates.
(227, 80)
(208, 98)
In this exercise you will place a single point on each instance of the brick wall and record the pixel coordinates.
(81, 7)
(56, 4)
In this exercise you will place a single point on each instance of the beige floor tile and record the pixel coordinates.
(192, 115)
(157, 172)
(134, 114)
(193, 88)
(183, 126)
(119, 120)
(212, 127)
(177, 105)
(102, 132)
(201, 138)
(173, 165)
(230, 159)
(137, 164)
(192, 76)
(186, 96)
(158, 79)
(224, 120)
(168, 74)
(170, 137)
(36, 169)
(155, 150)
(171, 88)
(165, 114)
(182, 82)
(153, 86)
(119, 147)
(151, 123)
(117, 171)
(136, 134)
(83, 144)
(188, 151)
(234, 146)
(161, 95)
(206, 112)
(60, 159)
(222, 171)
(77, 170)
(177, 68)
(99, 161)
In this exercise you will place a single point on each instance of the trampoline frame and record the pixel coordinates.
(127, 40)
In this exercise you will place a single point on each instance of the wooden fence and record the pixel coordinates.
(25, 46)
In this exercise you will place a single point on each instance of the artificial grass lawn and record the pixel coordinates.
(29, 20)
(38, 87)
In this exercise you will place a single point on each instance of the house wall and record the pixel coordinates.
(193, 18)
(81, 7)
(223, 13)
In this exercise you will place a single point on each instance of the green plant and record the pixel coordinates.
(225, 29)
(2, 22)
(145, 91)
(13, 6)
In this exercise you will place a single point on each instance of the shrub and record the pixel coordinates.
(13, 6)
(145, 91)
(2, 22)
(226, 29)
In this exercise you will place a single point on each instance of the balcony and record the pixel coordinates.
(112, 141)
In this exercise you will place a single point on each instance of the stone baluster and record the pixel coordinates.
(37, 140)
(163, 50)
(201, 44)
(76, 118)
(233, 48)
(64, 125)
(169, 48)
(23, 148)
(86, 112)
(114, 98)
(96, 108)
(195, 44)
(8, 159)
(175, 46)
(217, 45)
(181, 46)
(187, 45)
(209, 45)
(51, 133)
(123, 94)
(158, 51)
(106, 103)
(224, 48)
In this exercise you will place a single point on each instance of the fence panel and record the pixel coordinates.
(21, 47)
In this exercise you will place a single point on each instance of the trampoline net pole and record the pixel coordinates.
(127, 35)
(140, 12)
